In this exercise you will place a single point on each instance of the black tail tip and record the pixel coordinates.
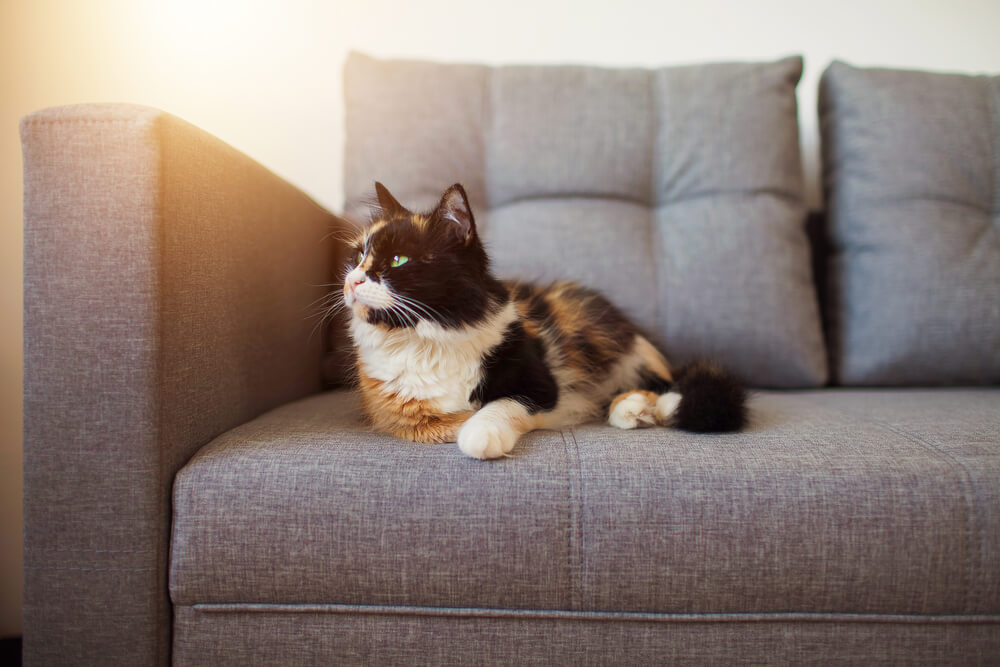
(712, 400)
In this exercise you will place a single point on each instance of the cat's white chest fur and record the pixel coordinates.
(429, 362)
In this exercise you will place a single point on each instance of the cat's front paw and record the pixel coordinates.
(483, 438)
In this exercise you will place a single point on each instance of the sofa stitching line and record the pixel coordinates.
(877, 204)
(146, 568)
(572, 536)
(89, 551)
(581, 534)
(776, 193)
(587, 615)
(972, 527)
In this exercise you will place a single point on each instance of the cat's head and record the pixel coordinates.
(406, 268)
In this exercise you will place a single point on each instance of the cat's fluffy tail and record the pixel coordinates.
(712, 400)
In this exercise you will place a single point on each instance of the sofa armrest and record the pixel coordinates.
(168, 281)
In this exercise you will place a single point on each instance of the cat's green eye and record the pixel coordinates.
(399, 260)
(359, 257)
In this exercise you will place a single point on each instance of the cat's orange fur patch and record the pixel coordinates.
(653, 358)
(410, 419)
(374, 227)
(598, 346)
(530, 326)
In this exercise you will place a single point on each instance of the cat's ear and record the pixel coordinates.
(388, 203)
(455, 210)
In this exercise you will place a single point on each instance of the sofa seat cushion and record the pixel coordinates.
(833, 501)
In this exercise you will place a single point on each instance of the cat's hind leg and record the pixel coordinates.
(633, 409)
(641, 408)
(494, 429)
(704, 399)
(653, 400)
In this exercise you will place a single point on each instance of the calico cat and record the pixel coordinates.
(447, 352)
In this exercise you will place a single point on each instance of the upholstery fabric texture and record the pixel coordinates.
(815, 508)
(677, 192)
(150, 327)
(318, 636)
(911, 166)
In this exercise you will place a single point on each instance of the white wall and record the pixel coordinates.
(265, 76)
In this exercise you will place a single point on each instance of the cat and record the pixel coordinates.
(446, 352)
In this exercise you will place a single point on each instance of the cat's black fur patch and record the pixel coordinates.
(469, 295)
(598, 333)
(516, 369)
(712, 400)
(538, 309)
(651, 381)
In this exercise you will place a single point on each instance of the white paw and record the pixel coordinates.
(632, 411)
(483, 438)
(666, 405)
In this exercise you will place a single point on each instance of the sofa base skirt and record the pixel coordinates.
(242, 634)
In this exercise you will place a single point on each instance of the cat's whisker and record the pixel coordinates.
(417, 315)
(422, 305)
(345, 236)
(318, 325)
(405, 313)
(402, 317)
(402, 301)
(326, 313)
(405, 318)
(412, 315)
(328, 297)
(432, 313)
(326, 306)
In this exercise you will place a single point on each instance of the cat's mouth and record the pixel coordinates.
(363, 298)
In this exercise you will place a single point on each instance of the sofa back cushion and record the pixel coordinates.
(912, 178)
(676, 192)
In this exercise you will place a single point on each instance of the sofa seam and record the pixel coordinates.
(973, 530)
(582, 548)
(88, 551)
(586, 615)
(777, 193)
(61, 568)
(572, 519)
(973, 527)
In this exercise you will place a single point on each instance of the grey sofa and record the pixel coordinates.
(196, 493)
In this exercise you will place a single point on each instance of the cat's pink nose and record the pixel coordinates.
(355, 280)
